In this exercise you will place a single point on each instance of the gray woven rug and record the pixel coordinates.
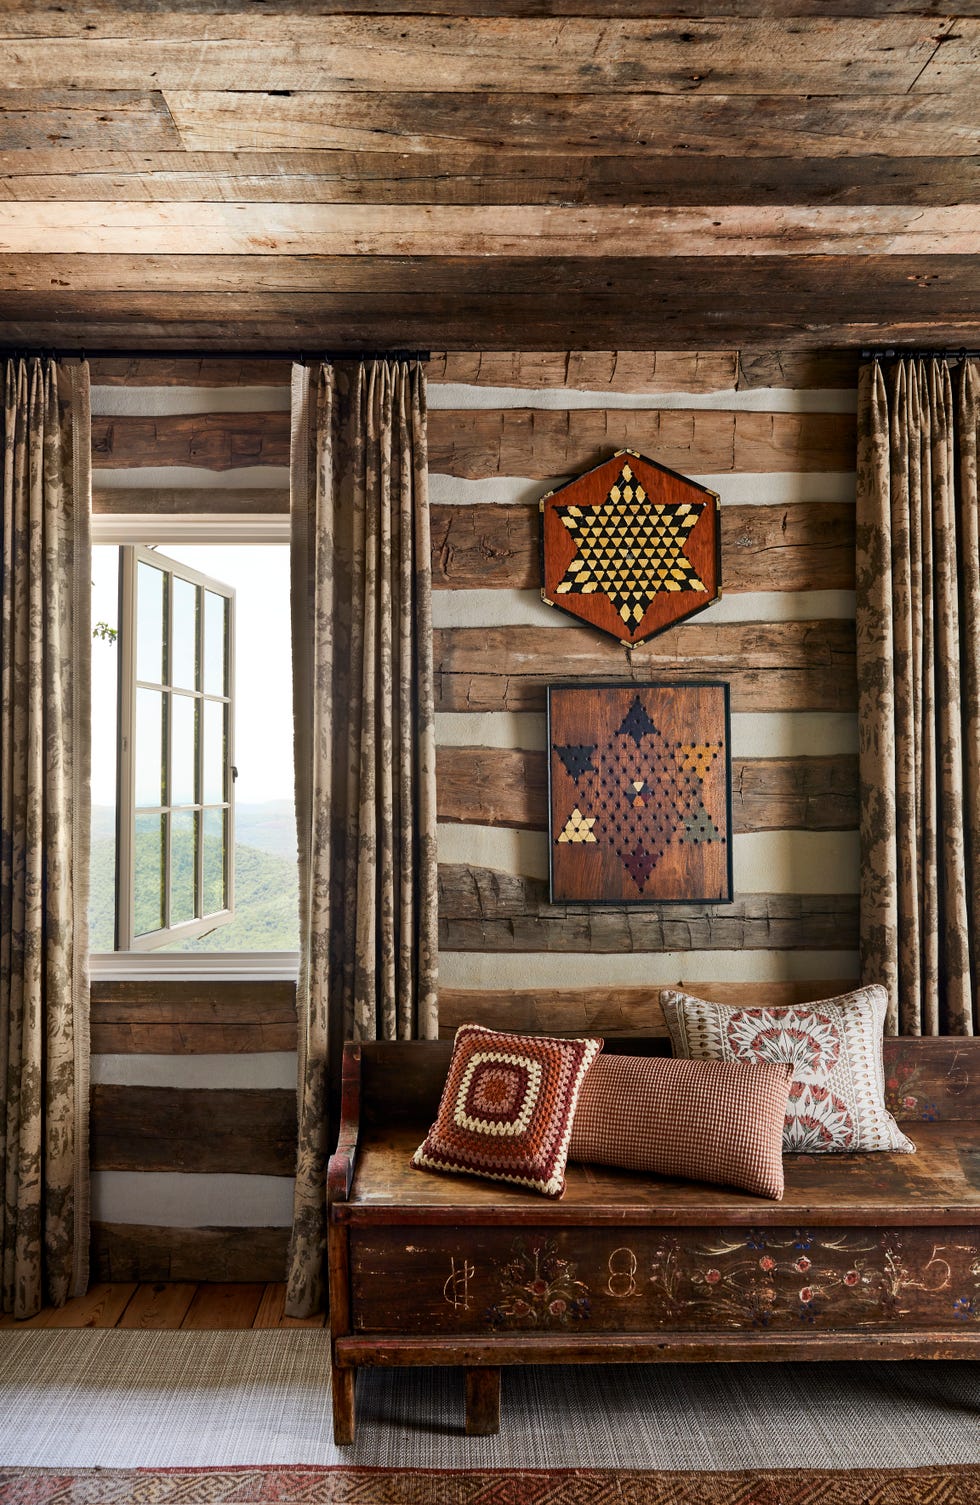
(115, 1399)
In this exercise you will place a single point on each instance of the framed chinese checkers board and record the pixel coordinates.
(631, 547)
(639, 784)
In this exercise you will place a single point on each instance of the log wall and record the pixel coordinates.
(194, 1103)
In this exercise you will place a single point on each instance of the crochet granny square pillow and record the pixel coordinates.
(507, 1108)
(719, 1121)
(837, 1099)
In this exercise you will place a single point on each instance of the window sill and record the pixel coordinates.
(134, 966)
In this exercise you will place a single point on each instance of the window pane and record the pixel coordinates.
(215, 656)
(215, 841)
(183, 866)
(183, 750)
(150, 748)
(151, 613)
(148, 874)
(183, 653)
(214, 752)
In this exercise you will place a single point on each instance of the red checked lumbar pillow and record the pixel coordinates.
(715, 1121)
(507, 1108)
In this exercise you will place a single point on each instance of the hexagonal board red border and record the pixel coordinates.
(631, 547)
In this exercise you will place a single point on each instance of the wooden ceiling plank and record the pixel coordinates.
(272, 286)
(479, 176)
(366, 327)
(488, 230)
(591, 55)
(764, 124)
(81, 120)
(638, 9)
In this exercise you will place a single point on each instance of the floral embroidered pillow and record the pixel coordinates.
(507, 1108)
(837, 1098)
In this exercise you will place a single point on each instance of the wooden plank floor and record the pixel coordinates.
(168, 1305)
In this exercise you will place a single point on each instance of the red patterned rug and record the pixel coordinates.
(376, 1486)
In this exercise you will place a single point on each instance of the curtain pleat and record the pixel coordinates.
(918, 622)
(45, 643)
(364, 742)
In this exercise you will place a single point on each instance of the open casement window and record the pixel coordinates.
(175, 803)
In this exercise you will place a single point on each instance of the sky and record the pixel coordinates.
(264, 721)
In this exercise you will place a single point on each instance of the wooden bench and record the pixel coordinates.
(868, 1256)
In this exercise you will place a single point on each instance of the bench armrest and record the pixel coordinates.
(340, 1169)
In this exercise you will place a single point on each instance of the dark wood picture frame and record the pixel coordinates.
(639, 793)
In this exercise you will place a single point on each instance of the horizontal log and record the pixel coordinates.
(215, 441)
(484, 910)
(450, 230)
(796, 547)
(79, 119)
(493, 786)
(200, 371)
(473, 175)
(137, 1251)
(819, 124)
(609, 1011)
(248, 1132)
(786, 368)
(176, 501)
(515, 441)
(600, 370)
(476, 443)
(157, 1017)
(781, 666)
(584, 54)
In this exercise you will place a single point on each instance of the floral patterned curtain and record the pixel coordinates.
(918, 627)
(45, 642)
(365, 744)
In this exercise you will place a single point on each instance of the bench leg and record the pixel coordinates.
(482, 1402)
(344, 1384)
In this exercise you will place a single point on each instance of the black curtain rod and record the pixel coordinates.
(891, 353)
(85, 352)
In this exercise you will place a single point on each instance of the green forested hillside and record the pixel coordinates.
(266, 896)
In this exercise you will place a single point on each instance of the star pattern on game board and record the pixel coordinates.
(630, 548)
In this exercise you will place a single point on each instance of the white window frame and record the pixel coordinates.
(192, 528)
(132, 556)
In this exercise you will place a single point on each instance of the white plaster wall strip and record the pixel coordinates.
(516, 608)
(178, 1199)
(482, 970)
(158, 402)
(148, 478)
(251, 1071)
(742, 489)
(757, 400)
(524, 729)
(764, 862)
(755, 734)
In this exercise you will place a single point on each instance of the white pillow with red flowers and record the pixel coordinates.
(837, 1097)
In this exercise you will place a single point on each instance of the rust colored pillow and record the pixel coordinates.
(507, 1107)
(716, 1121)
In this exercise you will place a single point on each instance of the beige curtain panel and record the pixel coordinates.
(918, 631)
(45, 642)
(365, 745)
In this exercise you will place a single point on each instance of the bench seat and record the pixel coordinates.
(874, 1254)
